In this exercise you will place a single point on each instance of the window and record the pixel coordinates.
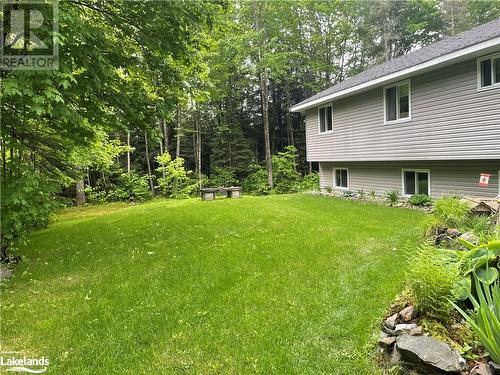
(341, 178)
(325, 115)
(398, 102)
(489, 71)
(416, 182)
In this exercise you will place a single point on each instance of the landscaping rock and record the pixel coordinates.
(417, 331)
(404, 328)
(395, 356)
(470, 237)
(453, 232)
(391, 321)
(481, 369)
(408, 313)
(387, 342)
(5, 273)
(494, 368)
(428, 355)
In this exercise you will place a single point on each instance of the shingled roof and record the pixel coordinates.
(433, 51)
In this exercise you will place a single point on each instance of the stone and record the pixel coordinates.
(494, 368)
(391, 321)
(469, 237)
(429, 355)
(417, 331)
(5, 273)
(387, 342)
(395, 356)
(408, 313)
(404, 328)
(481, 369)
(453, 232)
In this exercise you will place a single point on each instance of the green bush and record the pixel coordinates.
(285, 177)
(420, 200)
(131, 187)
(392, 196)
(256, 181)
(310, 182)
(451, 211)
(27, 203)
(222, 177)
(434, 279)
(175, 181)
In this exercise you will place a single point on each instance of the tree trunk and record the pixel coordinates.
(178, 135)
(289, 123)
(197, 143)
(80, 192)
(264, 101)
(128, 152)
(149, 164)
(165, 135)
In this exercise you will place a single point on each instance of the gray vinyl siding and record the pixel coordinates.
(446, 177)
(451, 120)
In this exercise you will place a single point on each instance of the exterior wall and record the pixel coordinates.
(451, 120)
(446, 177)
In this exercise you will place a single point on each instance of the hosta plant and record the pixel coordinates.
(482, 261)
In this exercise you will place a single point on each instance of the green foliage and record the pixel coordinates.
(451, 211)
(128, 187)
(285, 176)
(256, 181)
(420, 200)
(481, 261)
(27, 203)
(392, 196)
(434, 278)
(485, 319)
(223, 177)
(175, 181)
(310, 182)
(373, 194)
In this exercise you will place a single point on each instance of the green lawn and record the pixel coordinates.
(290, 284)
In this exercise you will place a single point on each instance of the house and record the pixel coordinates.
(425, 123)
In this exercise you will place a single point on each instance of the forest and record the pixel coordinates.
(160, 98)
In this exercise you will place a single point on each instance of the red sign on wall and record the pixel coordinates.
(484, 180)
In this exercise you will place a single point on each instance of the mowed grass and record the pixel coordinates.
(290, 284)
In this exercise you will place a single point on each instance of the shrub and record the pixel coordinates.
(27, 202)
(434, 279)
(361, 194)
(392, 196)
(175, 182)
(309, 182)
(420, 200)
(131, 187)
(256, 181)
(451, 211)
(222, 177)
(373, 194)
(285, 177)
(485, 319)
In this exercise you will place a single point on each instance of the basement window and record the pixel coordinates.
(416, 182)
(398, 102)
(341, 178)
(325, 115)
(489, 71)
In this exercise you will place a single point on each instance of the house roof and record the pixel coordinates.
(435, 55)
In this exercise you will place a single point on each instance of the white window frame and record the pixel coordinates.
(498, 181)
(398, 120)
(479, 76)
(319, 119)
(428, 171)
(335, 178)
